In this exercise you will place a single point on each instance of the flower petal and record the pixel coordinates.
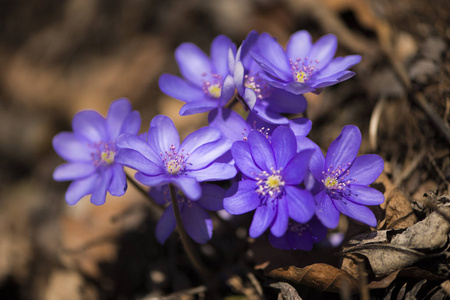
(117, 113)
(166, 225)
(261, 151)
(219, 54)
(192, 63)
(262, 219)
(280, 224)
(207, 153)
(300, 204)
(73, 171)
(134, 142)
(213, 172)
(282, 101)
(243, 159)
(98, 196)
(228, 89)
(300, 126)
(72, 147)
(298, 88)
(188, 185)
(262, 111)
(118, 184)
(162, 134)
(137, 161)
(81, 188)
(355, 211)
(200, 137)
(241, 198)
(299, 45)
(238, 77)
(325, 210)
(271, 70)
(152, 180)
(339, 64)
(344, 148)
(132, 123)
(272, 50)
(179, 88)
(200, 106)
(323, 50)
(365, 169)
(303, 241)
(197, 222)
(90, 125)
(331, 80)
(212, 197)
(364, 195)
(284, 146)
(296, 168)
(279, 242)
(230, 124)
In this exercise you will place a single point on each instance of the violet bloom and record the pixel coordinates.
(344, 180)
(304, 66)
(90, 151)
(207, 82)
(272, 172)
(261, 98)
(300, 236)
(194, 214)
(162, 160)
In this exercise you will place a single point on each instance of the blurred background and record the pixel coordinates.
(60, 57)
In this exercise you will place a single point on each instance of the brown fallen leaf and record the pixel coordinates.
(399, 213)
(413, 273)
(386, 258)
(320, 276)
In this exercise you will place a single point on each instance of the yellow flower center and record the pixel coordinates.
(215, 90)
(108, 156)
(300, 76)
(173, 166)
(274, 181)
(331, 182)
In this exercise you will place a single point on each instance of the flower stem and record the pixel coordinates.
(201, 269)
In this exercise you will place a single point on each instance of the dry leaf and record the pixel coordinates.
(399, 213)
(322, 277)
(413, 273)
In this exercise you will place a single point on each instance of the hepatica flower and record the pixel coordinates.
(194, 214)
(272, 172)
(90, 153)
(260, 97)
(163, 160)
(300, 236)
(207, 82)
(304, 66)
(344, 180)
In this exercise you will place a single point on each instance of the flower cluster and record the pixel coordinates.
(263, 163)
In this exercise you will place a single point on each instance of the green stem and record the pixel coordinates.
(184, 238)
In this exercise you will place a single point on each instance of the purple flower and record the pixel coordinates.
(261, 98)
(304, 66)
(207, 82)
(194, 215)
(162, 160)
(300, 236)
(344, 180)
(90, 153)
(235, 128)
(272, 172)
